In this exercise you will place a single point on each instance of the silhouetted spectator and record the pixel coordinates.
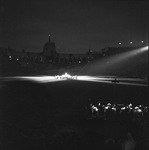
(129, 143)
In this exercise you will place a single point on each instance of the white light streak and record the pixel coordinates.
(108, 80)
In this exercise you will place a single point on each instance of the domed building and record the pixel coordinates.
(49, 51)
(50, 55)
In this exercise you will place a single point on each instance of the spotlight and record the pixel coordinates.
(144, 48)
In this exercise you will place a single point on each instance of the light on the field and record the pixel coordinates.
(40, 79)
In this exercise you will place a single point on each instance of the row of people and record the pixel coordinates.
(107, 111)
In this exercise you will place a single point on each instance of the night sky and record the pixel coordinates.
(74, 26)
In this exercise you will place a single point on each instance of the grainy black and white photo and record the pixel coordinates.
(74, 75)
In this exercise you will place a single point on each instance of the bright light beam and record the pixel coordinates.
(110, 63)
(144, 48)
(122, 81)
(47, 79)
(39, 79)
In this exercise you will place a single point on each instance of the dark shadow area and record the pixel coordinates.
(56, 115)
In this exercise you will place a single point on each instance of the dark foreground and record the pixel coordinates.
(56, 116)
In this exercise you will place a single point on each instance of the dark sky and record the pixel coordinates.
(74, 26)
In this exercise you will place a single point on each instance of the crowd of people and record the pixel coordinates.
(118, 118)
(110, 111)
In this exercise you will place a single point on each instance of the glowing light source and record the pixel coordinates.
(65, 76)
(144, 48)
(100, 79)
(130, 42)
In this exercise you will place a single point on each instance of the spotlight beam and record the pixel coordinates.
(39, 79)
(110, 80)
(112, 62)
(99, 79)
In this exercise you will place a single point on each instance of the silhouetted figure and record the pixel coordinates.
(129, 143)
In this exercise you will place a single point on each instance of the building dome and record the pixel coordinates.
(49, 50)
